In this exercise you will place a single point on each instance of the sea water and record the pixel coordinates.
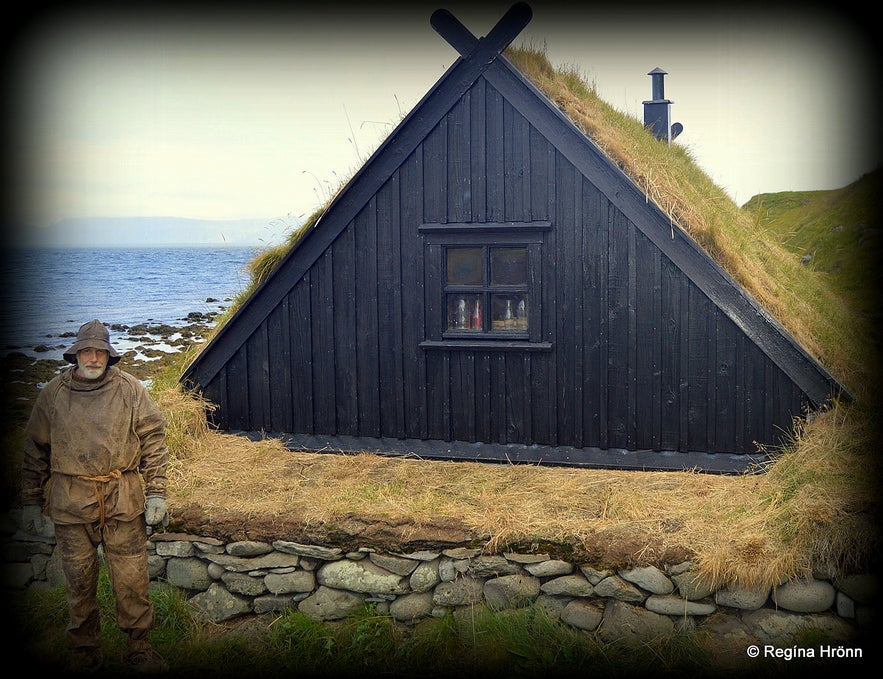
(48, 292)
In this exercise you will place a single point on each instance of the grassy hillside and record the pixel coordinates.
(835, 232)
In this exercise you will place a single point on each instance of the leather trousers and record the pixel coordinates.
(124, 546)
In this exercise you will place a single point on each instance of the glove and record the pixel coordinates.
(155, 512)
(34, 521)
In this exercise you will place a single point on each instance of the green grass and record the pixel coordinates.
(835, 232)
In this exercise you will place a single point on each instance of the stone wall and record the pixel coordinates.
(225, 581)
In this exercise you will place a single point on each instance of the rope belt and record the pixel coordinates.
(103, 478)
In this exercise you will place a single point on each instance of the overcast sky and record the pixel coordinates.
(261, 113)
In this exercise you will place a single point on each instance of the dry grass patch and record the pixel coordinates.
(809, 509)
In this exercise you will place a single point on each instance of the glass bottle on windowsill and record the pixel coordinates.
(476, 316)
(460, 321)
(521, 315)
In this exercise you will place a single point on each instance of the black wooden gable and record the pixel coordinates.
(606, 339)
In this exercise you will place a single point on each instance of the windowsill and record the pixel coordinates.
(485, 227)
(485, 345)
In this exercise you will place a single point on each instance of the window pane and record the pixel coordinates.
(508, 266)
(465, 312)
(465, 266)
(509, 312)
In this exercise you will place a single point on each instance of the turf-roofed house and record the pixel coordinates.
(491, 286)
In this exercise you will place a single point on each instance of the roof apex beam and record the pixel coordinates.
(501, 35)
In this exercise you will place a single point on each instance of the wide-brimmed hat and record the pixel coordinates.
(92, 334)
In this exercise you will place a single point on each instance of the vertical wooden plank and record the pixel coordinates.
(754, 399)
(540, 172)
(435, 198)
(739, 401)
(594, 221)
(543, 373)
(788, 407)
(438, 395)
(482, 397)
(566, 305)
(644, 402)
(321, 303)
(696, 316)
(603, 378)
(237, 391)
(258, 378)
(541, 385)
(299, 322)
(434, 284)
(631, 415)
(386, 311)
(517, 401)
(544, 402)
(459, 153)
(725, 388)
(494, 157)
(498, 383)
(255, 352)
(478, 149)
(618, 322)
(367, 348)
(535, 282)
(398, 349)
(279, 357)
(769, 403)
(345, 300)
(711, 382)
(413, 299)
(460, 392)
(464, 409)
(657, 328)
(674, 331)
(387, 296)
(746, 394)
(516, 165)
(778, 415)
(575, 285)
(389, 322)
(689, 296)
(216, 392)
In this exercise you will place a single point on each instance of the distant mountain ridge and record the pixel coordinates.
(153, 231)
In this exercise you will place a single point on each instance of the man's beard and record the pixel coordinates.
(91, 373)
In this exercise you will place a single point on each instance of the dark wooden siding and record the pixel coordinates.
(640, 357)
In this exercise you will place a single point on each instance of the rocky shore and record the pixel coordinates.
(145, 347)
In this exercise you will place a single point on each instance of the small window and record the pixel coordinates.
(483, 286)
(486, 289)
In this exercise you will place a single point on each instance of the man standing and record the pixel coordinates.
(95, 460)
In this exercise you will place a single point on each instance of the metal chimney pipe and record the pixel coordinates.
(657, 111)
(657, 83)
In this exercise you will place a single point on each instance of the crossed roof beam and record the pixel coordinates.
(488, 47)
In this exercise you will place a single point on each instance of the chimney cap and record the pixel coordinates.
(658, 71)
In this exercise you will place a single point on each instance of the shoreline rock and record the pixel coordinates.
(155, 344)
